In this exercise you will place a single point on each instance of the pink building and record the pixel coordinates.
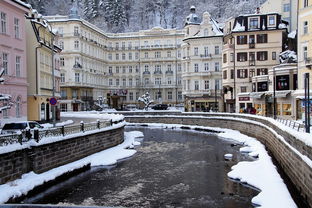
(13, 58)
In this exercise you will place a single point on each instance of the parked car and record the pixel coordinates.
(131, 107)
(13, 128)
(160, 107)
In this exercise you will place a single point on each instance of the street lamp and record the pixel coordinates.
(307, 101)
(274, 96)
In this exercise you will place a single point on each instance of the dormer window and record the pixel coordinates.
(254, 23)
(271, 20)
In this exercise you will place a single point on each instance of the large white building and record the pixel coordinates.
(201, 63)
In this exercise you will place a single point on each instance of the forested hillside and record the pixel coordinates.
(133, 15)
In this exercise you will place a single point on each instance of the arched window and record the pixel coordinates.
(18, 107)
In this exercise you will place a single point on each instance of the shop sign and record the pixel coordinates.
(244, 98)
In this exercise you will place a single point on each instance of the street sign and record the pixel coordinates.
(53, 101)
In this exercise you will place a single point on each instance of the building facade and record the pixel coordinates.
(201, 63)
(13, 58)
(304, 52)
(286, 8)
(252, 44)
(116, 69)
(41, 49)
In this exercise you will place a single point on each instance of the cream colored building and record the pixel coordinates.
(116, 68)
(286, 8)
(304, 52)
(40, 43)
(252, 44)
(201, 63)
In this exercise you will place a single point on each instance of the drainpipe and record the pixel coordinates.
(40, 46)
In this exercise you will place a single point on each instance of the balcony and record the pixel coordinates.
(77, 34)
(206, 56)
(146, 73)
(77, 66)
(169, 72)
(308, 62)
(157, 72)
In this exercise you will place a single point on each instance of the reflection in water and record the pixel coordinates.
(171, 169)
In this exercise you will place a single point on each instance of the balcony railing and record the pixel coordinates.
(169, 72)
(206, 55)
(252, 45)
(157, 72)
(146, 73)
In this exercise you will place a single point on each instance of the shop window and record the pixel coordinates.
(282, 82)
(286, 109)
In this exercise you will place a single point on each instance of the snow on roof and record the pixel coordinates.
(216, 27)
(238, 28)
(23, 3)
(282, 26)
(292, 35)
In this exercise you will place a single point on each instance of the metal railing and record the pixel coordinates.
(62, 131)
(292, 124)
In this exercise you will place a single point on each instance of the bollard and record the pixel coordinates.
(63, 130)
(36, 134)
(111, 122)
(98, 123)
(81, 126)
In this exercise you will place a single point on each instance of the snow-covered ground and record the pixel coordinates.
(261, 173)
(93, 114)
(48, 125)
(106, 157)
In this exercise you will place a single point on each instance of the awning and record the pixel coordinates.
(302, 97)
(256, 95)
(278, 94)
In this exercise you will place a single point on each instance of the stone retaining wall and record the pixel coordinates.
(293, 165)
(45, 157)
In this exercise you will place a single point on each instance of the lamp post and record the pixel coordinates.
(274, 95)
(53, 77)
(307, 101)
(215, 98)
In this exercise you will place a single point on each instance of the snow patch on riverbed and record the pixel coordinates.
(106, 157)
(261, 173)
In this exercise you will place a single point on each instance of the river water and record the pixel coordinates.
(173, 168)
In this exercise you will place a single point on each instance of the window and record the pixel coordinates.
(117, 56)
(137, 81)
(146, 81)
(136, 55)
(232, 73)
(217, 66)
(262, 71)
(251, 72)
(76, 44)
(62, 61)
(179, 95)
(305, 27)
(124, 69)
(241, 57)
(130, 56)
(169, 67)
(225, 74)
(77, 77)
(179, 80)
(196, 51)
(158, 68)
(196, 67)
(305, 52)
(206, 32)
(124, 82)
(254, 23)
(130, 95)
(157, 81)
(196, 85)
(130, 69)
(146, 68)
(179, 67)
(117, 82)
(252, 39)
(63, 94)
(232, 57)
(5, 63)
(224, 58)
(18, 66)
(206, 66)
(76, 31)
(130, 82)
(157, 54)
(271, 20)
(3, 23)
(16, 28)
(217, 50)
(123, 56)
(243, 89)
(146, 55)
(262, 38)
(241, 39)
(206, 49)
(262, 55)
(273, 55)
(206, 84)
(123, 45)
(169, 95)
(117, 45)
(62, 77)
(305, 3)
(169, 80)
(110, 57)
(129, 45)
(117, 69)
(217, 84)
(242, 73)
(61, 44)
(110, 82)
(168, 54)
(137, 69)
(286, 7)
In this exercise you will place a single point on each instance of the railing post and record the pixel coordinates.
(20, 137)
(36, 134)
(28, 134)
(82, 126)
(98, 123)
(63, 130)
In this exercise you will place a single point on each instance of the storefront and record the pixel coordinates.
(244, 102)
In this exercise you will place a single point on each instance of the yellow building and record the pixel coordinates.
(304, 51)
(40, 43)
